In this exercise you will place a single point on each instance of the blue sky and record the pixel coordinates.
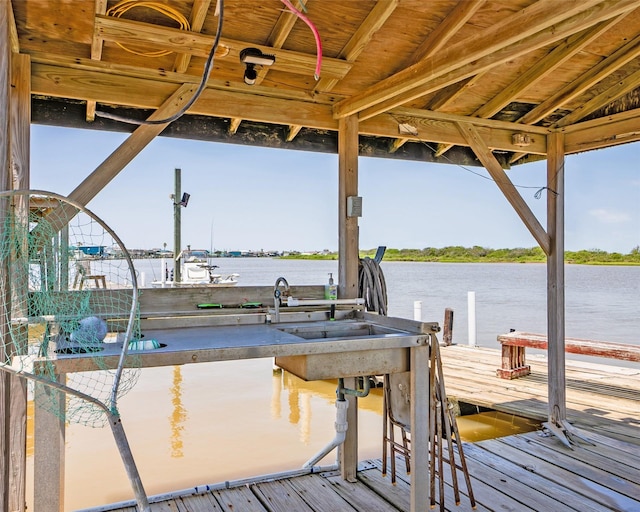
(245, 197)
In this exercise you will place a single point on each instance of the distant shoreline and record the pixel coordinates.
(484, 255)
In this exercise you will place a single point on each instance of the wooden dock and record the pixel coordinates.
(529, 471)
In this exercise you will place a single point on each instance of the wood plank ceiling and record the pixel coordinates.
(410, 70)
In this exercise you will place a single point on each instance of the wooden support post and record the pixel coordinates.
(48, 450)
(5, 297)
(20, 124)
(419, 399)
(348, 268)
(555, 279)
(447, 329)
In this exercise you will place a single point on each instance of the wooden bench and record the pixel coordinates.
(514, 344)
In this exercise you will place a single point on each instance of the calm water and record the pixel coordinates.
(212, 422)
(602, 302)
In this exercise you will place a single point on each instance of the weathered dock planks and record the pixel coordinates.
(524, 472)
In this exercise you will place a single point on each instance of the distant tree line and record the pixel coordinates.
(477, 254)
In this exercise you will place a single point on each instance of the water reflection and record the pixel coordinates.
(178, 414)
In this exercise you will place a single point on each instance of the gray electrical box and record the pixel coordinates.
(354, 206)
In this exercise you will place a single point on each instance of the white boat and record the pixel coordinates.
(196, 270)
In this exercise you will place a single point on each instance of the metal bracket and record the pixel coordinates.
(566, 433)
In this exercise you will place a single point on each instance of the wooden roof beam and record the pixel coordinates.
(358, 42)
(77, 67)
(96, 54)
(536, 26)
(450, 25)
(622, 87)
(456, 19)
(197, 18)
(234, 124)
(438, 127)
(293, 130)
(474, 140)
(447, 95)
(396, 144)
(279, 35)
(558, 56)
(602, 132)
(199, 45)
(615, 61)
(294, 108)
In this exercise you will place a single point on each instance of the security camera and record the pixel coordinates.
(252, 57)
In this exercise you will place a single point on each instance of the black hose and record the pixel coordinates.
(372, 286)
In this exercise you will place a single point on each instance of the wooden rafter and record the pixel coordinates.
(558, 56)
(196, 22)
(396, 144)
(234, 124)
(358, 42)
(625, 54)
(96, 54)
(621, 87)
(437, 39)
(450, 25)
(276, 39)
(199, 45)
(279, 35)
(538, 25)
(294, 129)
(474, 140)
(448, 95)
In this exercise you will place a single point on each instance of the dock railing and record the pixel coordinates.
(515, 343)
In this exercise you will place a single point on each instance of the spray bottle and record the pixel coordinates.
(331, 289)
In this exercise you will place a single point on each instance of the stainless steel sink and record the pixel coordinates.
(372, 361)
(341, 330)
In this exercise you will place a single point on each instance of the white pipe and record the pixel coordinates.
(417, 310)
(341, 433)
(143, 279)
(471, 310)
(292, 301)
(163, 271)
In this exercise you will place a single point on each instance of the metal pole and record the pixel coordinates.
(129, 462)
(177, 243)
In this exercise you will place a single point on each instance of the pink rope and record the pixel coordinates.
(315, 34)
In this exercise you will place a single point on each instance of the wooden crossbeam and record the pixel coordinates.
(199, 45)
(473, 138)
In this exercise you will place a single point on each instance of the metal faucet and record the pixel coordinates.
(277, 294)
